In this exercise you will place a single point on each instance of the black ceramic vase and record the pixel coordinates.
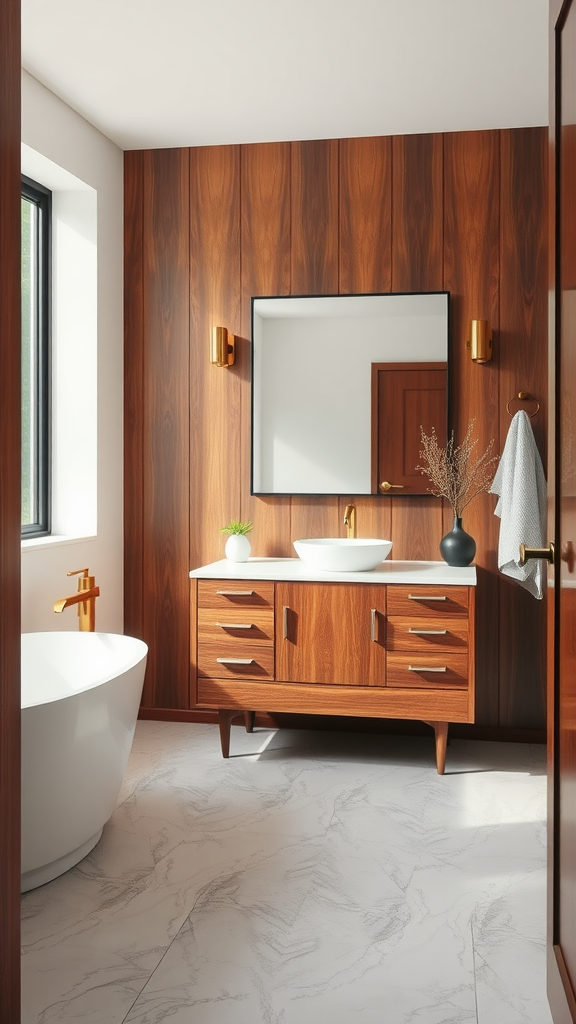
(457, 547)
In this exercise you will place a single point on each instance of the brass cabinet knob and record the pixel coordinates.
(385, 486)
(545, 553)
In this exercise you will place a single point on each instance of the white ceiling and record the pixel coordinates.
(157, 73)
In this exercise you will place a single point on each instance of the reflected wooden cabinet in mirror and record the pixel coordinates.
(395, 642)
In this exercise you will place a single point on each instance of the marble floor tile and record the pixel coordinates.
(312, 876)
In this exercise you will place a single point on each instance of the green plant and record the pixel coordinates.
(235, 527)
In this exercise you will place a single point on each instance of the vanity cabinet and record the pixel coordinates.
(330, 633)
(367, 646)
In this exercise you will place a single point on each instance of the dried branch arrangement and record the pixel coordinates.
(455, 472)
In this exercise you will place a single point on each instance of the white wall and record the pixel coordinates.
(52, 131)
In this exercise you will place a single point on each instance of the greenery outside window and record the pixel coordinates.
(36, 210)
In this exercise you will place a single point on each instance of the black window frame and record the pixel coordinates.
(41, 197)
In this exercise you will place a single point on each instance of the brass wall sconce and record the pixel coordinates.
(480, 342)
(222, 347)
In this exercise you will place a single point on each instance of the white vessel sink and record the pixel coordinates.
(341, 554)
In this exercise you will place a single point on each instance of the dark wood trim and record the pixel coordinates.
(10, 516)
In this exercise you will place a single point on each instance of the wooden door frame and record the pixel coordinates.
(10, 512)
(562, 1003)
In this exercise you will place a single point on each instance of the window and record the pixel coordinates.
(36, 209)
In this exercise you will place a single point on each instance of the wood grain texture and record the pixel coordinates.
(365, 214)
(449, 705)
(314, 205)
(328, 635)
(166, 398)
(215, 449)
(134, 382)
(523, 367)
(430, 601)
(471, 274)
(295, 218)
(417, 265)
(265, 246)
(427, 634)
(412, 670)
(10, 489)
(417, 213)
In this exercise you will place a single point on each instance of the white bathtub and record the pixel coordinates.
(80, 698)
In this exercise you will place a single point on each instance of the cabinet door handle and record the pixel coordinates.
(235, 661)
(426, 597)
(427, 668)
(373, 625)
(235, 593)
(238, 625)
(285, 612)
(428, 632)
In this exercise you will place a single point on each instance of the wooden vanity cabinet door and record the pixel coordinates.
(331, 633)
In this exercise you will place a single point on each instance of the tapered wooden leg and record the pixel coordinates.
(249, 717)
(441, 737)
(224, 721)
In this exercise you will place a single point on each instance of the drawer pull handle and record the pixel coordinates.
(285, 611)
(238, 625)
(235, 593)
(373, 625)
(428, 632)
(235, 661)
(427, 668)
(426, 597)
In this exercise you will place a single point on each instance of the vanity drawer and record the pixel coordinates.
(245, 625)
(228, 659)
(410, 634)
(427, 600)
(233, 595)
(429, 670)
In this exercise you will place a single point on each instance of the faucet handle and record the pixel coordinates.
(77, 572)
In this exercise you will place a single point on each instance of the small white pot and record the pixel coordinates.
(237, 547)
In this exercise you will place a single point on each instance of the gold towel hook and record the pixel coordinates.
(524, 396)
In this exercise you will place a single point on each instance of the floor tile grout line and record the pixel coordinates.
(162, 958)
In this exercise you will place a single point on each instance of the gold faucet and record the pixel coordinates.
(85, 599)
(350, 520)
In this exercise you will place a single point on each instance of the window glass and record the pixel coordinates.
(35, 220)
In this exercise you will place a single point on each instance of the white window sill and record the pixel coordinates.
(53, 541)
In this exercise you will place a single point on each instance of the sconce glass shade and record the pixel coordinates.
(222, 347)
(480, 343)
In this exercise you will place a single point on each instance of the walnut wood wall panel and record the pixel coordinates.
(314, 263)
(314, 194)
(404, 213)
(215, 427)
(10, 484)
(133, 393)
(365, 210)
(417, 261)
(165, 424)
(522, 361)
(265, 247)
(471, 274)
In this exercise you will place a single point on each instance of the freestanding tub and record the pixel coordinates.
(80, 698)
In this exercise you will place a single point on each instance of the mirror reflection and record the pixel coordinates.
(322, 409)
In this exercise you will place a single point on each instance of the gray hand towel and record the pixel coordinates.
(521, 486)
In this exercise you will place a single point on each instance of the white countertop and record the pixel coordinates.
(390, 571)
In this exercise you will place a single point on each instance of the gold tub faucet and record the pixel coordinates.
(350, 520)
(85, 599)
